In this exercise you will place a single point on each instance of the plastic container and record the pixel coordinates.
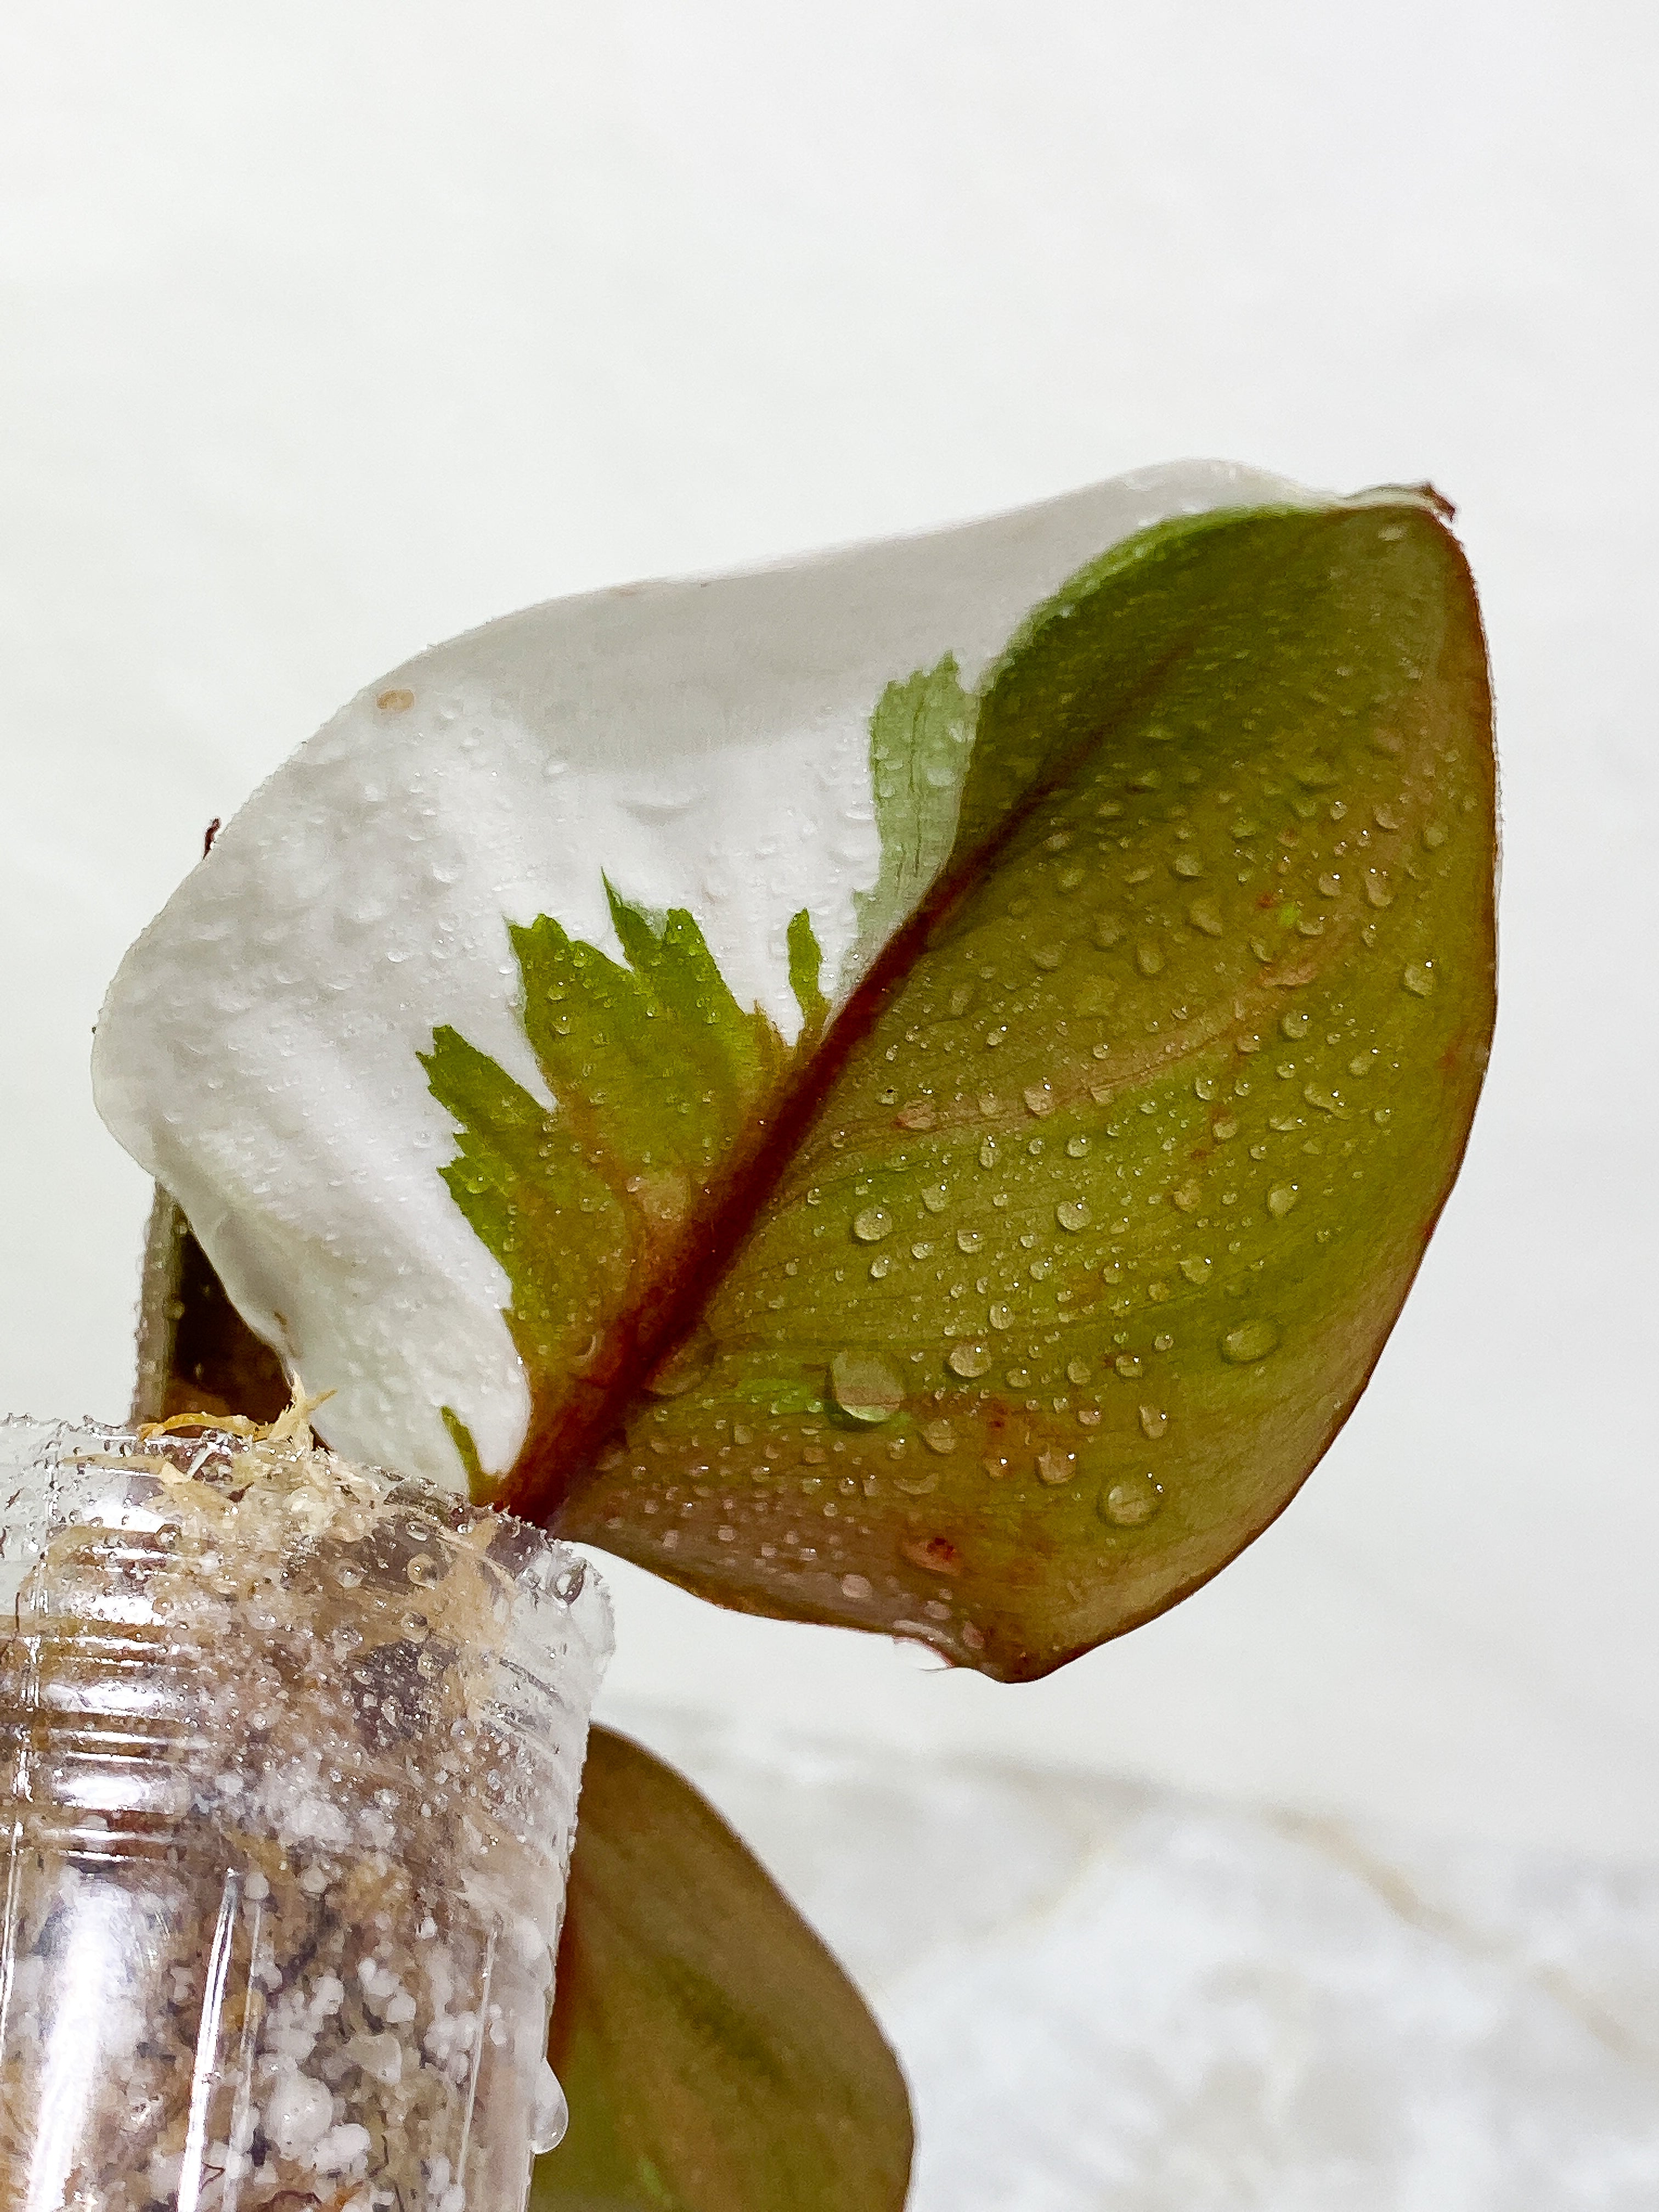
(290, 1755)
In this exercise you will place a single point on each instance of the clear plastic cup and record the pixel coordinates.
(290, 1755)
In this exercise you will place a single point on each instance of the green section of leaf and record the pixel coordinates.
(921, 737)
(805, 976)
(715, 2057)
(1125, 1161)
(461, 1436)
(663, 1084)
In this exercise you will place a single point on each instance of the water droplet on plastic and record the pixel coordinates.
(867, 1386)
(872, 1224)
(1419, 978)
(969, 1359)
(1129, 1502)
(1282, 1198)
(1251, 1341)
(550, 2115)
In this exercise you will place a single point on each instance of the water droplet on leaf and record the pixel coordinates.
(1129, 1502)
(872, 1224)
(1251, 1341)
(866, 1386)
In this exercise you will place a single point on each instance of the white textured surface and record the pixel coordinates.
(1122, 1997)
(701, 743)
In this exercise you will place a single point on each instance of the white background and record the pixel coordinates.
(329, 330)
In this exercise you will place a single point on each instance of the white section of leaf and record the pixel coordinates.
(703, 742)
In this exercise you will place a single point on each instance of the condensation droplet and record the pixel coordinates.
(1073, 1214)
(549, 2113)
(969, 1359)
(1419, 978)
(1282, 1198)
(866, 1386)
(1129, 1502)
(1251, 1341)
(1153, 1422)
(872, 1224)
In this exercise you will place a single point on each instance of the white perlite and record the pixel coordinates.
(288, 1761)
(703, 744)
